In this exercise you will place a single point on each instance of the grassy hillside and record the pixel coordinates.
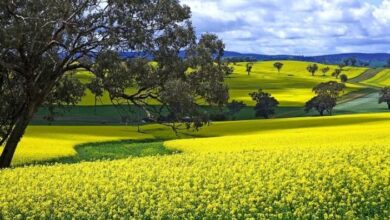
(379, 80)
(292, 86)
(330, 167)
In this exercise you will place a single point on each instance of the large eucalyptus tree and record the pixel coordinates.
(43, 42)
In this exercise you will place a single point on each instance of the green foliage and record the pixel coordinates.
(343, 78)
(43, 40)
(278, 66)
(353, 61)
(265, 103)
(342, 65)
(331, 88)
(337, 73)
(384, 96)
(229, 69)
(174, 83)
(326, 97)
(321, 104)
(249, 67)
(312, 68)
(118, 150)
(325, 70)
(235, 107)
(349, 61)
(68, 91)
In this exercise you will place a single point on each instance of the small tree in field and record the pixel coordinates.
(312, 68)
(249, 67)
(235, 107)
(228, 66)
(342, 65)
(384, 96)
(326, 97)
(265, 103)
(336, 73)
(278, 66)
(343, 78)
(325, 70)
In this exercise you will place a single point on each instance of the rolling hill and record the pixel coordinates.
(292, 87)
(374, 59)
(293, 76)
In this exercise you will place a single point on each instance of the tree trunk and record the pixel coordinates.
(15, 136)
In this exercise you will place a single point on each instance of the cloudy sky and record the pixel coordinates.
(297, 27)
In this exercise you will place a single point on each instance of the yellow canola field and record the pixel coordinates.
(43, 143)
(291, 87)
(298, 137)
(305, 168)
(381, 79)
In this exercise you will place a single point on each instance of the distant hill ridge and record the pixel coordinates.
(373, 59)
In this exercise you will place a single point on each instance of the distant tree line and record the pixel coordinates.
(240, 59)
(387, 65)
(350, 61)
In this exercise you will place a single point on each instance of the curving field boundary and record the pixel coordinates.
(365, 75)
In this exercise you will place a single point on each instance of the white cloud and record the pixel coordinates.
(296, 27)
(382, 13)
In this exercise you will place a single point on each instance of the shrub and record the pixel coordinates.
(343, 78)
